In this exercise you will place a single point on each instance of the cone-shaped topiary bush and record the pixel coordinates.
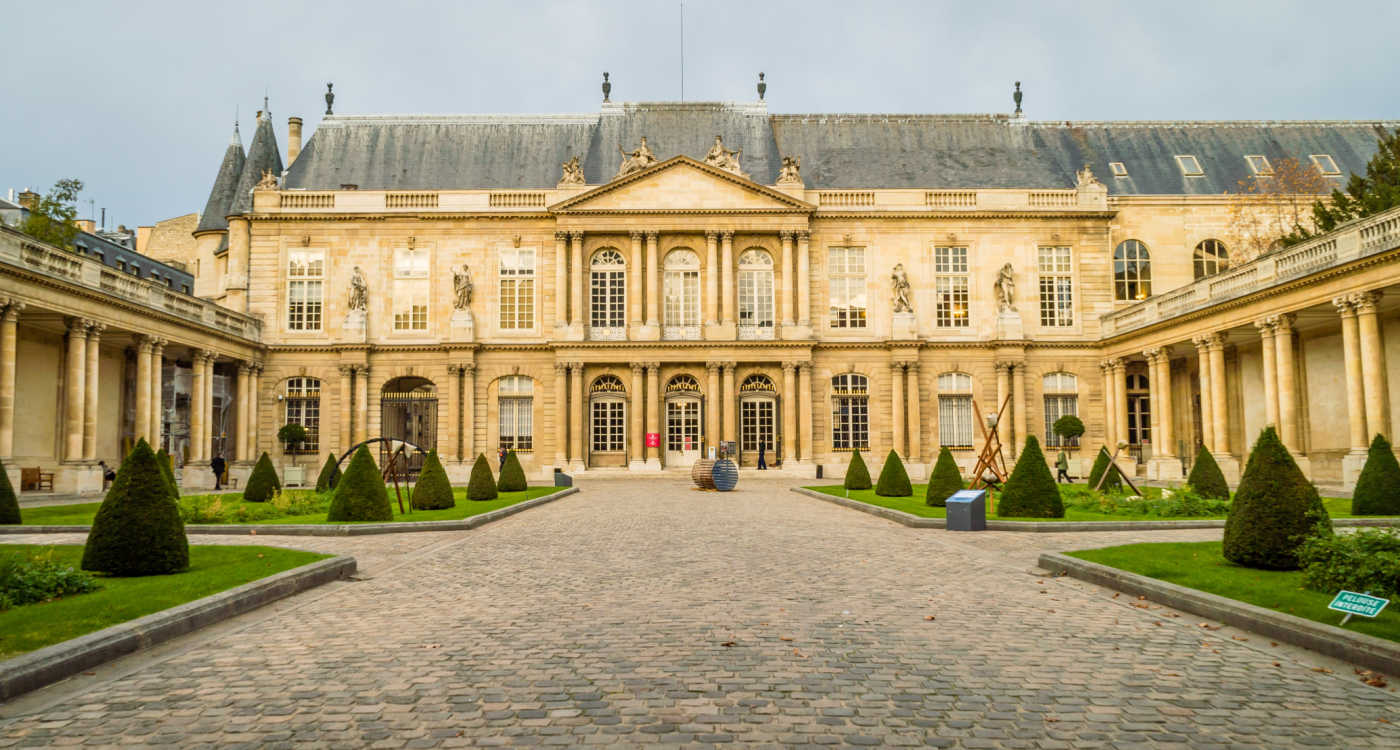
(1031, 491)
(137, 530)
(163, 459)
(1206, 477)
(481, 486)
(1275, 509)
(512, 476)
(894, 480)
(945, 480)
(1104, 462)
(263, 482)
(433, 490)
(9, 504)
(330, 474)
(857, 476)
(360, 493)
(1377, 490)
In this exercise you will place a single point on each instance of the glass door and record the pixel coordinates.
(757, 431)
(682, 432)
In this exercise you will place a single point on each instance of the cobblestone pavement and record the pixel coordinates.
(644, 613)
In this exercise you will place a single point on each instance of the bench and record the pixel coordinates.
(35, 478)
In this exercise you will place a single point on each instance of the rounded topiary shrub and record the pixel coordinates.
(433, 490)
(1031, 491)
(1377, 490)
(360, 494)
(512, 475)
(944, 481)
(894, 480)
(330, 474)
(1104, 463)
(1275, 510)
(1206, 477)
(137, 530)
(9, 504)
(857, 476)
(263, 482)
(163, 459)
(1069, 427)
(481, 486)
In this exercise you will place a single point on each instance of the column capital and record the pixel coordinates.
(1345, 306)
(804, 366)
(244, 368)
(362, 369)
(652, 236)
(786, 234)
(1365, 302)
(727, 235)
(636, 235)
(897, 367)
(1283, 323)
(12, 310)
(789, 367)
(803, 235)
(912, 365)
(78, 326)
(1004, 364)
(711, 235)
(576, 235)
(561, 236)
(637, 367)
(561, 367)
(1106, 366)
(1265, 326)
(577, 367)
(1152, 354)
(467, 368)
(144, 343)
(712, 367)
(454, 369)
(653, 368)
(728, 366)
(95, 330)
(346, 370)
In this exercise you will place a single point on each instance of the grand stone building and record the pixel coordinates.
(626, 289)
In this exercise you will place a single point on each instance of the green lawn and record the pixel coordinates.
(1336, 507)
(81, 515)
(1200, 565)
(212, 569)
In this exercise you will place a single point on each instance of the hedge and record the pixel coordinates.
(137, 530)
(1275, 510)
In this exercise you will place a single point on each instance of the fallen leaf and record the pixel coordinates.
(929, 617)
(785, 638)
(1208, 626)
(1158, 623)
(798, 653)
(727, 644)
(1275, 664)
(1115, 596)
(1323, 670)
(1239, 638)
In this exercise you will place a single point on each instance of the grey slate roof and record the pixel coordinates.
(221, 196)
(262, 155)
(411, 152)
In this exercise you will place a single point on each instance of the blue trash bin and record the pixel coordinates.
(967, 510)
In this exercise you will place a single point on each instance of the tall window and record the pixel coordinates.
(950, 267)
(1056, 287)
(608, 415)
(515, 396)
(850, 413)
(410, 289)
(608, 301)
(303, 407)
(681, 296)
(1061, 391)
(955, 417)
(1139, 410)
(756, 293)
(517, 298)
(846, 275)
(1210, 258)
(306, 271)
(1132, 271)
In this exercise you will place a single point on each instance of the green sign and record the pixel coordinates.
(1353, 603)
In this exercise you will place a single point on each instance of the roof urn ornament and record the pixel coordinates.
(572, 173)
(330, 98)
(723, 158)
(268, 181)
(639, 159)
(607, 88)
(791, 171)
(762, 87)
(1016, 97)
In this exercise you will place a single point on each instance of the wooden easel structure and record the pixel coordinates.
(991, 458)
(1113, 464)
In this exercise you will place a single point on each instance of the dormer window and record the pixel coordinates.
(1259, 165)
(1117, 168)
(1190, 166)
(1325, 164)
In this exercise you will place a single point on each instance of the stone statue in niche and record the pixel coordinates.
(268, 181)
(572, 173)
(723, 158)
(1085, 178)
(639, 159)
(1006, 289)
(790, 173)
(359, 291)
(899, 280)
(462, 288)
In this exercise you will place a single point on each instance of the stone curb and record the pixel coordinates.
(50, 664)
(325, 529)
(1053, 527)
(1356, 648)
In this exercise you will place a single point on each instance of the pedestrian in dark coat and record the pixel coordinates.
(762, 462)
(218, 466)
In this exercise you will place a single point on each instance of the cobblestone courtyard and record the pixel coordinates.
(641, 612)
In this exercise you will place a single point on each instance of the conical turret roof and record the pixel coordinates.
(221, 196)
(262, 156)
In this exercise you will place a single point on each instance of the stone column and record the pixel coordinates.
(1220, 407)
(254, 411)
(199, 409)
(143, 389)
(75, 389)
(654, 412)
(576, 416)
(634, 422)
(452, 446)
(1162, 383)
(579, 286)
(790, 408)
(1005, 429)
(1358, 440)
(209, 406)
(804, 410)
(1372, 363)
(897, 408)
(1018, 406)
(804, 280)
(1120, 403)
(157, 438)
(240, 443)
(712, 402)
(912, 402)
(711, 279)
(1203, 377)
(9, 341)
(561, 416)
(1268, 365)
(361, 403)
(653, 285)
(726, 296)
(90, 396)
(469, 411)
(347, 411)
(1110, 410)
(731, 404)
(1287, 391)
(634, 285)
(787, 302)
(561, 280)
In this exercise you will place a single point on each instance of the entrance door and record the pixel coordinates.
(608, 429)
(682, 431)
(408, 412)
(757, 429)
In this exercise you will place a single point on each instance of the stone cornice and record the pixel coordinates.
(965, 215)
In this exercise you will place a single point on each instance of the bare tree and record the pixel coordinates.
(1275, 208)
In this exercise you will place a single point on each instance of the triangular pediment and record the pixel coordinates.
(682, 184)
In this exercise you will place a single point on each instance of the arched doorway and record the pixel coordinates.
(684, 417)
(607, 422)
(758, 420)
(408, 411)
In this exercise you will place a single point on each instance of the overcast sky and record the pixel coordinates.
(137, 99)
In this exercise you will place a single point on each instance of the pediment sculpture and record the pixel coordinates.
(790, 173)
(639, 159)
(572, 173)
(723, 158)
(268, 181)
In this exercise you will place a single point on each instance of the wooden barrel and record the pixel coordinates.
(702, 473)
(725, 475)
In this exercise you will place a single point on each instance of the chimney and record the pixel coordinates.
(86, 225)
(293, 139)
(143, 238)
(29, 199)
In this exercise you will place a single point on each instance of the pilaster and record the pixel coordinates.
(652, 330)
(653, 413)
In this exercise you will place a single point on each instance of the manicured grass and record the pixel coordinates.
(212, 569)
(81, 515)
(1200, 565)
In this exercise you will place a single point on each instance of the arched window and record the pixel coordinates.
(515, 395)
(681, 295)
(757, 383)
(850, 412)
(1210, 258)
(956, 422)
(1061, 390)
(1132, 271)
(755, 294)
(608, 309)
(608, 412)
(303, 407)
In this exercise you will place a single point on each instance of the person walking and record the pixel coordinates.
(217, 465)
(501, 456)
(762, 461)
(1062, 463)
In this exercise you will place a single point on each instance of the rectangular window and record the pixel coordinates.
(1190, 166)
(410, 289)
(517, 289)
(517, 424)
(682, 302)
(303, 404)
(305, 286)
(1057, 406)
(1118, 168)
(955, 425)
(1259, 164)
(1325, 164)
(846, 275)
(950, 287)
(850, 423)
(1056, 287)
